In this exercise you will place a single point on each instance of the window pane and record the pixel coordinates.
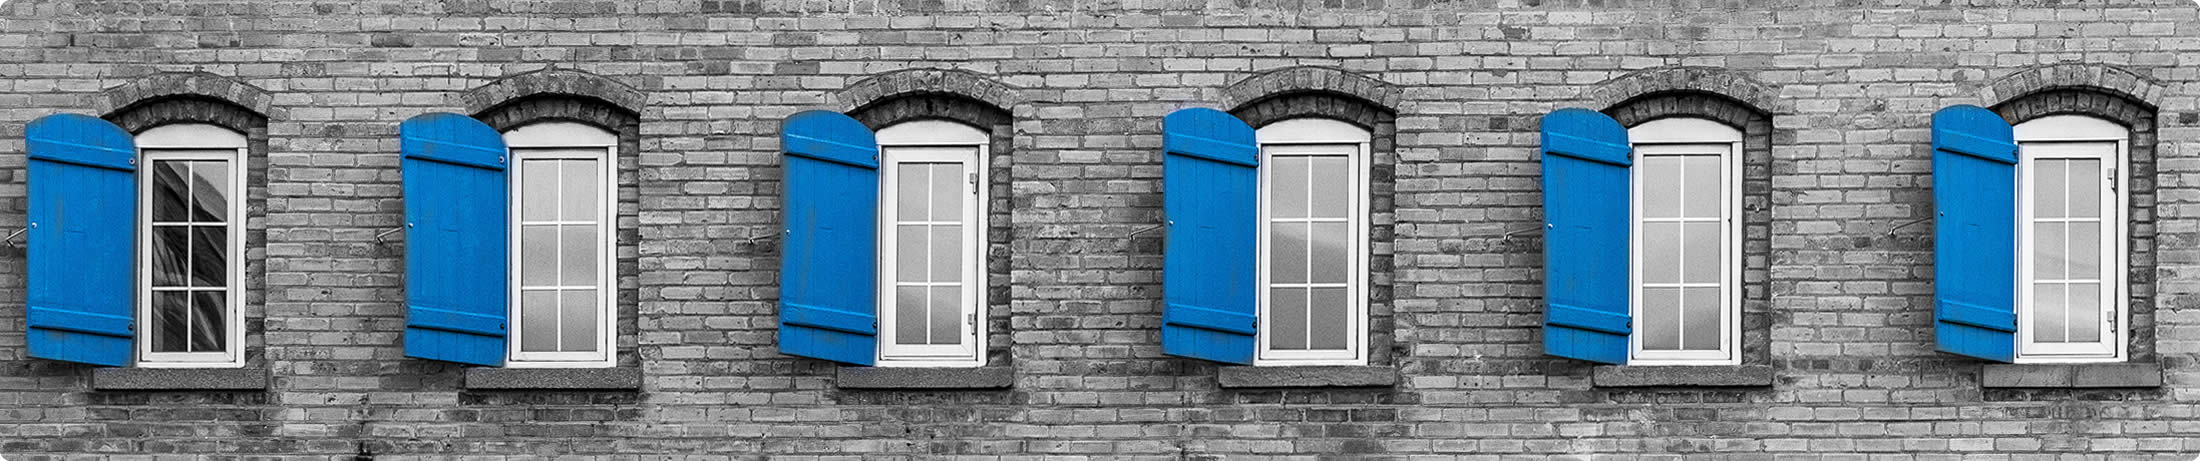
(1287, 252)
(2049, 186)
(909, 253)
(1701, 318)
(1332, 257)
(2049, 256)
(2085, 249)
(577, 261)
(1703, 251)
(912, 181)
(210, 191)
(171, 247)
(1661, 186)
(538, 317)
(1328, 318)
(1332, 183)
(1661, 319)
(946, 314)
(946, 253)
(1661, 252)
(209, 256)
(909, 315)
(169, 190)
(1287, 187)
(538, 191)
(2085, 188)
(578, 321)
(209, 313)
(170, 324)
(2085, 312)
(538, 252)
(1287, 330)
(579, 186)
(947, 191)
(1703, 194)
(2047, 312)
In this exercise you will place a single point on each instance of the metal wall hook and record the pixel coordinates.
(1508, 235)
(380, 237)
(1890, 231)
(762, 237)
(1134, 234)
(18, 233)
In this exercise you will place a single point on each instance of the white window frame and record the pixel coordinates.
(2115, 225)
(1689, 136)
(553, 140)
(1315, 132)
(192, 141)
(934, 141)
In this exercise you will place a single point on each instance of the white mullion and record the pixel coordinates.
(1307, 295)
(926, 293)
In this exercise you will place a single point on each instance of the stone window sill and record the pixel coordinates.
(925, 378)
(2072, 376)
(1682, 376)
(617, 378)
(179, 379)
(1315, 376)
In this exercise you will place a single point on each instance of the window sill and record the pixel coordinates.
(178, 379)
(1309, 376)
(1682, 376)
(925, 378)
(617, 378)
(2071, 376)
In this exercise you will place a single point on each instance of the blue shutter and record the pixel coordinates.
(1210, 198)
(1585, 224)
(1974, 233)
(828, 259)
(456, 234)
(83, 215)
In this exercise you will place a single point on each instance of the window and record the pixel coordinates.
(2070, 239)
(931, 239)
(191, 246)
(1685, 247)
(561, 244)
(1313, 242)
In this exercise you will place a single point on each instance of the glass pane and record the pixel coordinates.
(538, 320)
(2085, 249)
(171, 247)
(947, 191)
(209, 315)
(947, 253)
(2085, 312)
(210, 191)
(1328, 319)
(909, 315)
(538, 253)
(2049, 185)
(577, 324)
(170, 326)
(2049, 256)
(1287, 187)
(946, 315)
(910, 253)
(578, 202)
(1704, 184)
(1287, 252)
(577, 256)
(1332, 183)
(1661, 186)
(1661, 319)
(2085, 188)
(538, 191)
(1287, 328)
(912, 181)
(1703, 250)
(169, 190)
(1661, 252)
(1700, 319)
(1332, 258)
(2047, 312)
(209, 256)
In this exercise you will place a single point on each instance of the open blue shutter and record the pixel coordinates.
(1974, 233)
(456, 234)
(83, 213)
(1585, 221)
(828, 259)
(1210, 197)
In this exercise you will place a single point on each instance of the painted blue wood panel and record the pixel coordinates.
(1585, 224)
(1974, 233)
(1210, 198)
(457, 234)
(83, 217)
(828, 258)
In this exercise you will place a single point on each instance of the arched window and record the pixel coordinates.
(1313, 243)
(190, 246)
(2070, 234)
(561, 234)
(1686, 242)
(932, 210)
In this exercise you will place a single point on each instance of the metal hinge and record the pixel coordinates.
(2112, 179)
(973, 183)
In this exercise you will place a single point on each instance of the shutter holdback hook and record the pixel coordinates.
(382, 237)
(18, 233)
(1134, 234)
(1890, 230)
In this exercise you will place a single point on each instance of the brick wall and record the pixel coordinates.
(1841, 92)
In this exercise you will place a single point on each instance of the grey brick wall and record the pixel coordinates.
(1842, 91)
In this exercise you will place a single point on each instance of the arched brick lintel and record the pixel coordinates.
(909, 82)
(2087, 76)
(168, 85)
(554, 82)
(1757, 94)
(1304, 79)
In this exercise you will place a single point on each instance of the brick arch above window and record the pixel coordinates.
(1751, 92)
(1311, 79)
(907, 83)
(2123, 83)
(554, 82)
(184, 85)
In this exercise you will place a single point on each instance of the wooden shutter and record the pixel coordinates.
(1210, 198)
(828, 259)
(1585, 236)
(1974, 233)
(457, 234)
(83, 215)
